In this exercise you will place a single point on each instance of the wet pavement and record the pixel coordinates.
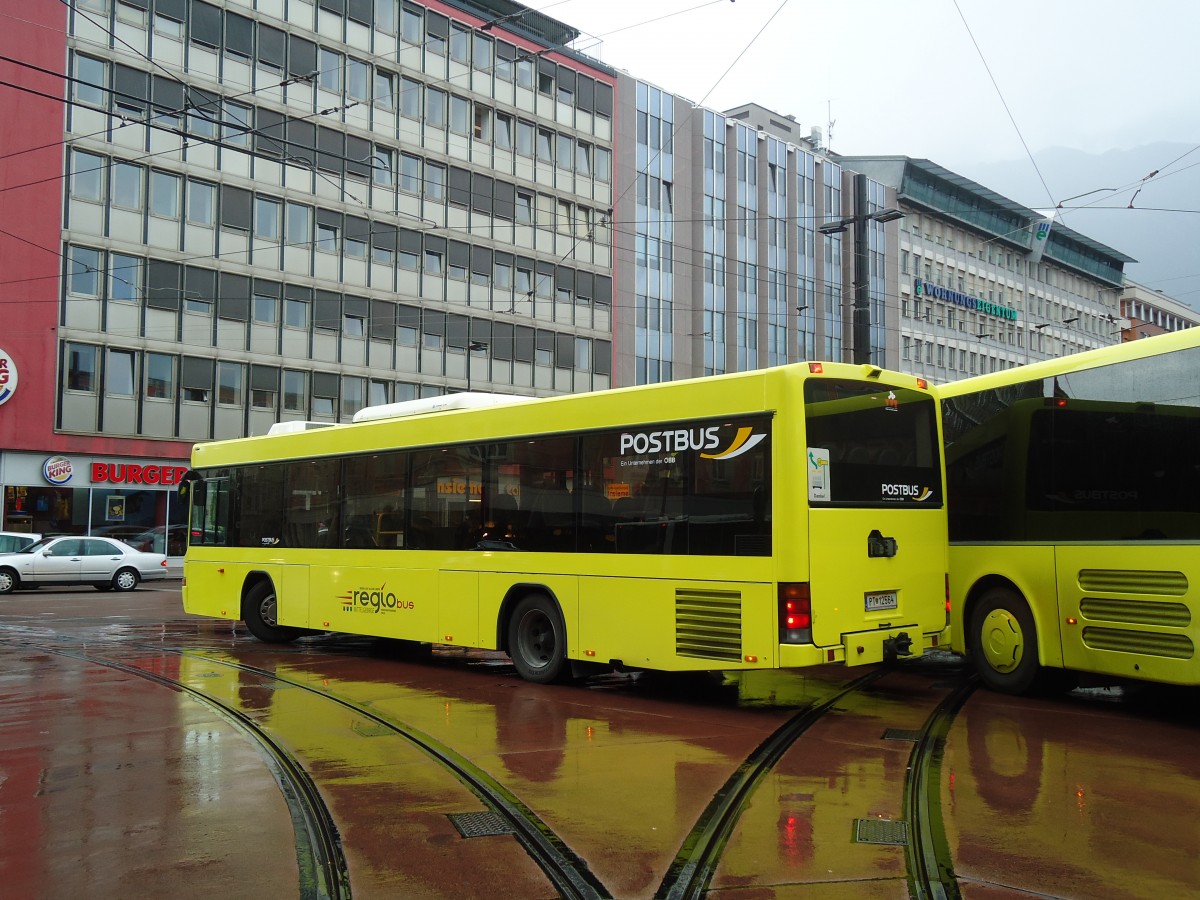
(146, 753)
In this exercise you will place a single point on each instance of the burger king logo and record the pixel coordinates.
(57, 470)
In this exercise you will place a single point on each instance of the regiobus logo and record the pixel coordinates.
(680, 439)
(373, 600)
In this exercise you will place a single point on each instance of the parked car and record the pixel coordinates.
(11, 541)
(104, 563)
(169, 539)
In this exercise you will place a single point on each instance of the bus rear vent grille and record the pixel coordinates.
(1171, 646)
(708, 624)
(1136, 612)
(1134, 581)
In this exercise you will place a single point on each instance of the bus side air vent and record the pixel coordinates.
(1136, 612)
(1145, 643)
(708, 624)
(1134, 581)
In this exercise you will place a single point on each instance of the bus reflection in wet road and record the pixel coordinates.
(114, 784)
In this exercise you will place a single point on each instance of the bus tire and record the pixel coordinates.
(9, 581)
(537, 640)
(260, 610)
(1004, 646)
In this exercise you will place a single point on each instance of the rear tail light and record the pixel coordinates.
(795, 613)
(163, 563)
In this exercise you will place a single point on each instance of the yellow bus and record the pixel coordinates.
(1073, 488)
(777, 518)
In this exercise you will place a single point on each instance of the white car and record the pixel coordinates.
(104, 563)
(11, 541)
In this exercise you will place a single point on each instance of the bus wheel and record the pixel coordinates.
(1004, 642)
(260, 610)
(537, 640)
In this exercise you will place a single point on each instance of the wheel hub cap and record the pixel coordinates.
(1003, 644)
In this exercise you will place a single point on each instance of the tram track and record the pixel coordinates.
(323, 872)
(690, 874)
(568, 873)
(929, 866)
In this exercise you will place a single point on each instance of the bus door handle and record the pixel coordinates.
(880, 546)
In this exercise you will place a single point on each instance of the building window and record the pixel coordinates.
(330, 76)
(229, 384)
(83, 272)
(358, 76)
(262, 398)
(127, 186)
(460, 44)
(410, 173)
(385, 89)
(299, 225)
(160, 376)
(327, 238)
(164, 194)
(295, 391)
(200, 202)
(435, 182)
(87, 176)
(125, 278)
(266, 309)
(460, 114)
(91, 77)
(433, 262)
(410, 98)
(119, 375)
(383, 164)
(81, 368)
(266, 219)
(236, 126)
(295, 313)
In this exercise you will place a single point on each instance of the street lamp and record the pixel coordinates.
(861, 327)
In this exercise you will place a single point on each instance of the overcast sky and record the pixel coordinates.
(905, 77)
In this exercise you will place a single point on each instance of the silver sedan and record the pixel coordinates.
(102, 562)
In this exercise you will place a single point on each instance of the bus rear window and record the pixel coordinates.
(871, 444)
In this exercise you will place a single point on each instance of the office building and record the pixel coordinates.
(222, 215)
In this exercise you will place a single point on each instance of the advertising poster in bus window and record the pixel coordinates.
(818, 474)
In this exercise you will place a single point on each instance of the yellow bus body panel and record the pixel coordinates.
(669, 612)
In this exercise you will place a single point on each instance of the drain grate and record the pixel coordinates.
(479, 824)
(880, 831)
(902, 734)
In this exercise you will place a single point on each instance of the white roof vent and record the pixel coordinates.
(296, 427)
(427, 405)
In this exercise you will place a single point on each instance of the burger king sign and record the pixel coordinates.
(8, 376)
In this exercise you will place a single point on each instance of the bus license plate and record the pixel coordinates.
(881, 600)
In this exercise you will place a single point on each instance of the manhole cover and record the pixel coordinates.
(371, 729)
(479, 824)
(880, 831)
(901, 734)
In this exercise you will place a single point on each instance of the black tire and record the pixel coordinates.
(9, 581)
(125, 580)
(260, 612)
(1004, 646)
(537, 640)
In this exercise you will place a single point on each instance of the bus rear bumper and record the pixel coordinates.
(863, 647)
